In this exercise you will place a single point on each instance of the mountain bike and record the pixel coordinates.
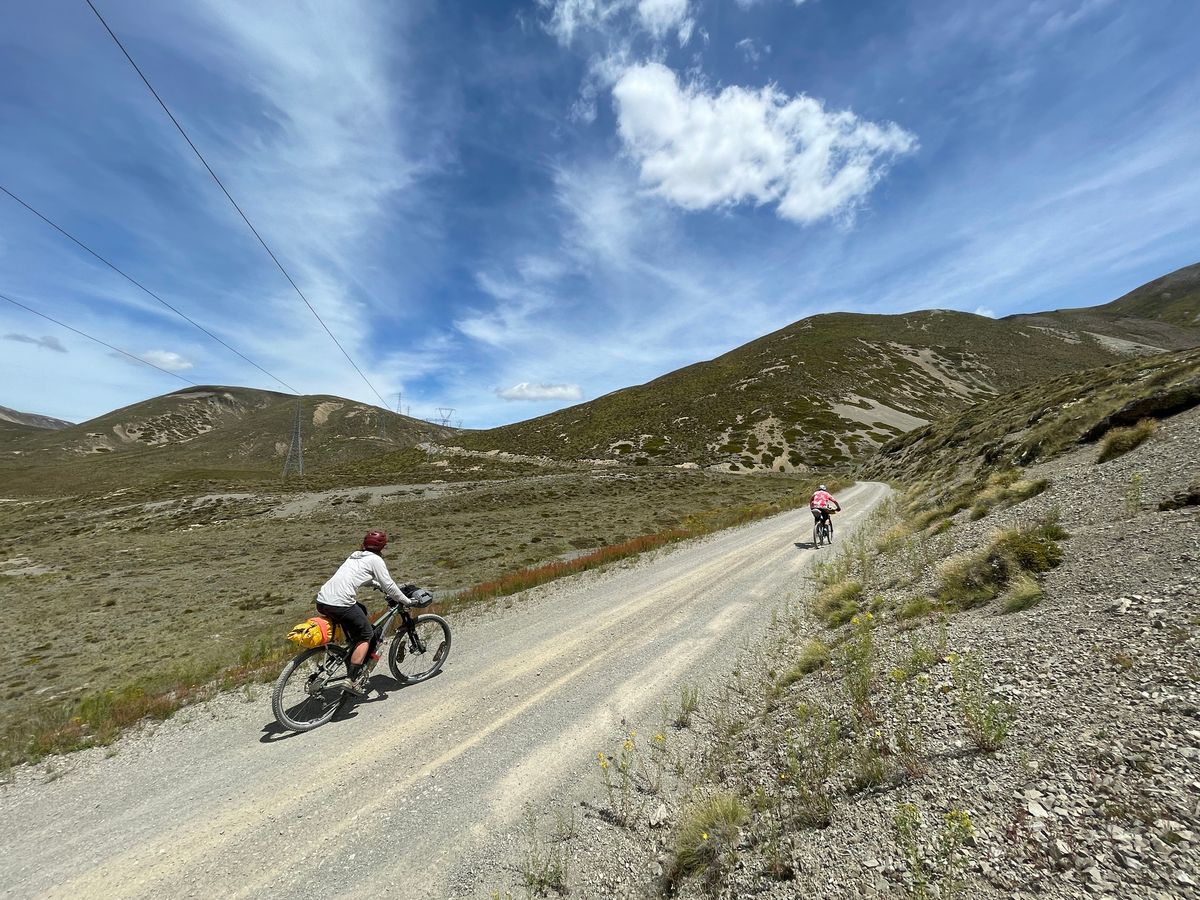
(311, 688)
(823, 529)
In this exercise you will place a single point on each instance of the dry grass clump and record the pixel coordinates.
(838, 604)
(1120, 441)
(706, 843)
(1023, 593)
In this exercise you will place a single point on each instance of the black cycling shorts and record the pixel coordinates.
(353, 620)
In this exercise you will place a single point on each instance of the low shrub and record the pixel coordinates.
(1120, 441)
(837, 605)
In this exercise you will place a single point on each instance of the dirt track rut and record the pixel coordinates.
(419, 791)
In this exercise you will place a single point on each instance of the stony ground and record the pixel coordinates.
(1094, 793)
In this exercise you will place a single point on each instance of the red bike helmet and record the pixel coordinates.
(375, 541)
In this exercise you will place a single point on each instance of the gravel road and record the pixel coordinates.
(417, 792)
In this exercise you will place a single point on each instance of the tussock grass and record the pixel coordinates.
(523, 579)
(706, 842)
(1005, 488)
(915, 608)
(839, 603)
(1023, 593)
(1120, 441)
(813, 656)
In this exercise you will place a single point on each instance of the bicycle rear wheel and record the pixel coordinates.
(419, 653)
(309, 690)
(817, 534)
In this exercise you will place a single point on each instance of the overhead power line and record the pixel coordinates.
(132, 356)
(142, 287)
(204, 162)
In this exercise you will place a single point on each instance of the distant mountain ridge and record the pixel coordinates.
(832, 388)
(32, 420)
(213, 428)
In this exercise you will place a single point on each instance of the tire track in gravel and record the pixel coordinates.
(418, 792)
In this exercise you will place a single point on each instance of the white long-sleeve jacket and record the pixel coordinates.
(362, 568)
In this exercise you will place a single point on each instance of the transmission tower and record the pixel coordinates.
(444, 413)
(295, 455)
(399, 400)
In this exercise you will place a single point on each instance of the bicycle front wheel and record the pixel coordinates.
(419, 652)
(309, 690)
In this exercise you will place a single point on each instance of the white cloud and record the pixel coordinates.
(751, 51)
(167, 359)
(527, 391)
(661, 17)
(985, 311)
(701, 150)
(658, 18)
(48, 341)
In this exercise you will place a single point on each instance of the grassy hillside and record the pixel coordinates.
(832, 388)
(201, 432)
(1041, 421)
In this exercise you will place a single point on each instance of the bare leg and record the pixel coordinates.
(359, 654)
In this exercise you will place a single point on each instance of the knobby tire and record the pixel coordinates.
(410, 665)
(299, 699)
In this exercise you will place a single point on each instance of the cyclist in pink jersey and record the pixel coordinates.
(820, 504)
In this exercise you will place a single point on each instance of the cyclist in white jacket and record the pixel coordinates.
(337, 600)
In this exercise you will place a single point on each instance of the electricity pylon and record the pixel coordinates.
(295, 455)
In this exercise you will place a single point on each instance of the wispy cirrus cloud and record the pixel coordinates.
(657, 18)
(49, 342)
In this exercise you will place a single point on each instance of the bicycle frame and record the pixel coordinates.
(378, 630)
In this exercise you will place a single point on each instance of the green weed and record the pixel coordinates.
(987, 721)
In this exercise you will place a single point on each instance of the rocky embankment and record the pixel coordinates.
(800, 787)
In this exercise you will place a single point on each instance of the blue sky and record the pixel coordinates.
(505, 208)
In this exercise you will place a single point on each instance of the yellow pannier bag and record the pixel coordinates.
(312, 632)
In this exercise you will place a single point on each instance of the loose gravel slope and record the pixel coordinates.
(417, 792)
